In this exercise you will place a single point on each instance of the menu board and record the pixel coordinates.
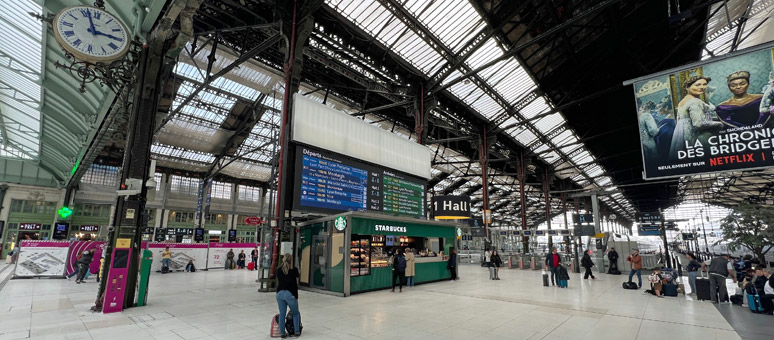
(328, 182)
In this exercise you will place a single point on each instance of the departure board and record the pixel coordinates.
(328, 182)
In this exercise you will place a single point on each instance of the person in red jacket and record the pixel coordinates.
(553, 261)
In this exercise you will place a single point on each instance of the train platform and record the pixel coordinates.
(226, 305)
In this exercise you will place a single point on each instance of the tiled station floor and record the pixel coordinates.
(226, 305)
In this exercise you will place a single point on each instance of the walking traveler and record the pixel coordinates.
(553, 261)
(77, 266)
(83, 265)
(612, 256)
(410, 270)
(635, 261)
(693, 271)
(230, 259)
(719, 270)
(287, 294)
(587, 263)
(398, 269)
(496, 263)
(241, 260)
(451, 264)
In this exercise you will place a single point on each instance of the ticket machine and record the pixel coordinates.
(116, 278)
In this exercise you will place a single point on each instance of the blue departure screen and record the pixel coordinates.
(330, 185)
(329, 182)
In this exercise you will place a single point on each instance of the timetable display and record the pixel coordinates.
(328, 182)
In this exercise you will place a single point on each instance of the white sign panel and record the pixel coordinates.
(181, 254)
(42, 258)
(219, 251)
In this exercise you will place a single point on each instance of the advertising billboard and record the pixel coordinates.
(708, 117)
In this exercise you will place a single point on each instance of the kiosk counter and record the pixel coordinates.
(352, 252)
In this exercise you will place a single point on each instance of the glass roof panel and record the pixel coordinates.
(536, 107)
(21, 55)
(550, 122)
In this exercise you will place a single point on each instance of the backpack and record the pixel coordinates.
(630, 285)
(401, 263)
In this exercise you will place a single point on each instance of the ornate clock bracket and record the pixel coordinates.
(115, 75)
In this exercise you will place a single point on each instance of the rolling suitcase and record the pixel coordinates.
(251, 266)
(754, 302)
(703, 288)
(545, 279)
(670, 289)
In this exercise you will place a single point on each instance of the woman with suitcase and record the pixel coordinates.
(693, 272)
(287, 293)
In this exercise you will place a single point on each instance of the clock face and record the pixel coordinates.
(91, 34)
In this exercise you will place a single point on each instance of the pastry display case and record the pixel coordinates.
(360, 255)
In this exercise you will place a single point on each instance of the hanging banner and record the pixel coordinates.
(181, 254)
(96, 247)
(41, 258)
(708, 117)
(219, 251)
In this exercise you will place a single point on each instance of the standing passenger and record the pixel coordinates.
(612, 255)
(451, 264)
(410, 270)
(398, 269)
(553, 261)
(496, 263)
(635, 260)
(719, 270)
(693, 271)
(254, 257)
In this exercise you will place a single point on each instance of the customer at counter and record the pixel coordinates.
(398, 269)
(410, 268)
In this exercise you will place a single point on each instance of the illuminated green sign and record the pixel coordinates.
(65, 212)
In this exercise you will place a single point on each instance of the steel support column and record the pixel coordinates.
(483, 159)
(297, 33)
(546, 184)
(521, 177)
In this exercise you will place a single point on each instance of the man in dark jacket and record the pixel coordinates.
(720, 268)
(230, 259)
(83, 265)
(612, 255)
(553, 261)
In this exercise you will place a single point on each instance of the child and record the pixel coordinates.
(656, 281)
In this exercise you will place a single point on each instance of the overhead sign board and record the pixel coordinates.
(60, 231)
(649, 230)
(451, 207)
(708, 117)
(89, 228)
(649, 218)
(582, 219)
(477, 232)
(329, 182)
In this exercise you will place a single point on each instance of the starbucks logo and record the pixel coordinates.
(340, 223)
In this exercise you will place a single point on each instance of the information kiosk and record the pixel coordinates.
(116, 278)
(352, 252)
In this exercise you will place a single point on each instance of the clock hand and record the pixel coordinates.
(107, 35)
(91, 23)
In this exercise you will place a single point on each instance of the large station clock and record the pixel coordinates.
(91, 34)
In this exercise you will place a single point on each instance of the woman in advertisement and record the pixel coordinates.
(742, 109)
(694, 120)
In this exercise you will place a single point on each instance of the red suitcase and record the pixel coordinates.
(250, 266)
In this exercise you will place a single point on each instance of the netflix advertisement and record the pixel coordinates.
(708, 118)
